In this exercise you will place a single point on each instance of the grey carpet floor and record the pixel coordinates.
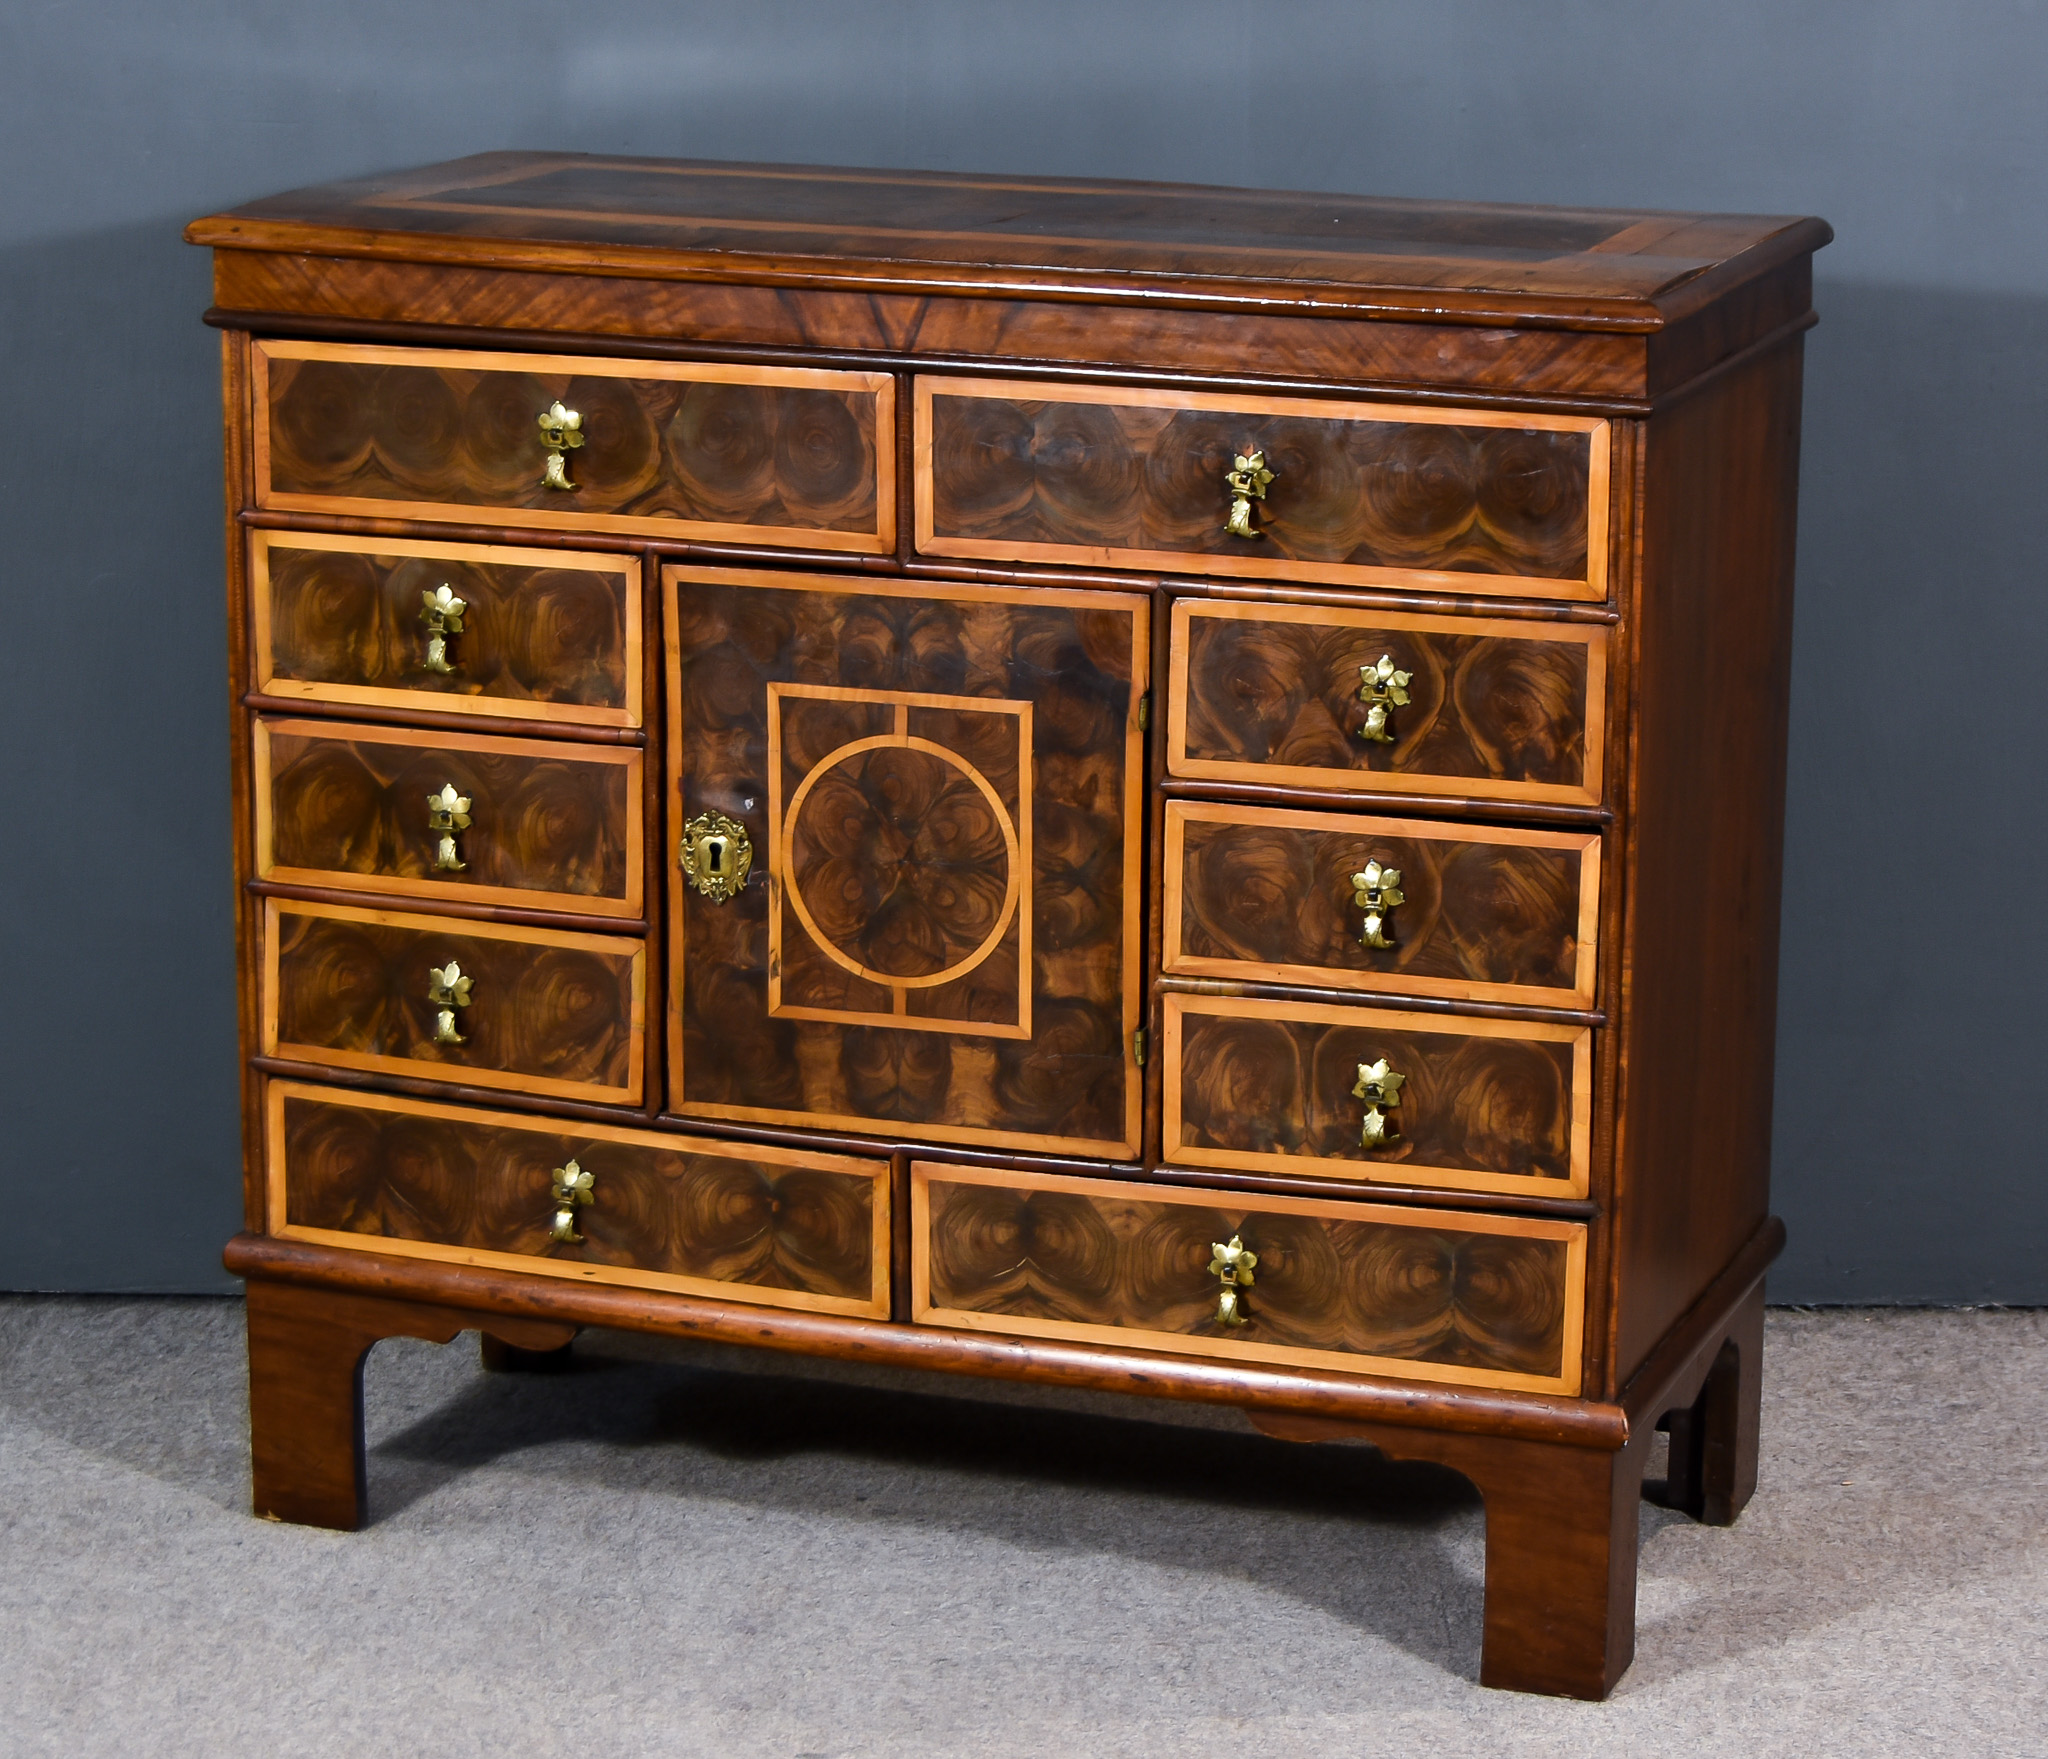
(714, 1552)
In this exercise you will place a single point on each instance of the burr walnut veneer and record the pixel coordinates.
(1147, 787)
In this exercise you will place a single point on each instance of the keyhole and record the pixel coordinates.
(714, 849)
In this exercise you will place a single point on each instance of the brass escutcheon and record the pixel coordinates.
(573, 1189)
(1234, 1265)
(447, 990)
(1376, 891)
(447, 813)
(441, 611)
(716, 855)
(1247, 480)
(561, 432)
(1380, 1088)
(1383, 687)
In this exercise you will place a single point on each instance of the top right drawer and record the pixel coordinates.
(1489, 502)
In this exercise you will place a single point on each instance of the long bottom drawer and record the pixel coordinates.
(1476, 1300)
(778, 1227)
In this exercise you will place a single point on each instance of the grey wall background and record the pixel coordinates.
(1909, 1161)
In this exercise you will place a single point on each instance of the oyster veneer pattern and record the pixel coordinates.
(941, 783)
(1496, 709)
(776, 1226)
(1486, 1105)
(545, 633)
(549, 1012)
(553, 825)
(1489, 913)
(1472, 1299)
(1365, 494)
(670, 449)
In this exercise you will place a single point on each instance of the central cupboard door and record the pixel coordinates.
(933, 794)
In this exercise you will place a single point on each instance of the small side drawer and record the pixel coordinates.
(1480, 1105)
(456, 628)
(776, 1227)
(484, 1005)
(1469, 1299)
(1355, 494)
(1484, 913)
(547, 825)
(1488, 710)
(671, 449)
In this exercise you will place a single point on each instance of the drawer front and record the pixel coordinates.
(488, 1006)
(1476, 1300)
(1494, 710)
(456, 628)
(1478, 913)
(940, 786)
(688, 449)
(1482, 1105)
(771, 1226)
(548, 825)
(1367, 494)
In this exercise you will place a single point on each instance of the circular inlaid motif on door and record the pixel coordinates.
(903, 861)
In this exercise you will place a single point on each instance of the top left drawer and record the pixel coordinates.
(693, 449)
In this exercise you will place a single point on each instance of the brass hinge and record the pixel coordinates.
(1138, 1046)
(1145, 712)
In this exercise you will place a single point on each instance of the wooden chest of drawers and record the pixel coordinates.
(1146, 787)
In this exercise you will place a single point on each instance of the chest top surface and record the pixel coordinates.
(1578, 268)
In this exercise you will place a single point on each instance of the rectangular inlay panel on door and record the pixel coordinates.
(532, 634)
(1495, 709)
(779, 1227)
(1483, 1105)
(546, 823)
(1363, 494)
(675, 449)
(940, 785)
(1469, 1299)
(536, 1010)
(1487, 913)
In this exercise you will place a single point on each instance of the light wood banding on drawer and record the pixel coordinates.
(1365, 494)
(1490, 913)
(1488, 1105)
(675, 449)
(1469, 1299)
(776, 1227)
(546, 634)
(549, 1013)
(554, 825)
(1497, 710)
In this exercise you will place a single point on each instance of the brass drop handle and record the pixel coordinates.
(561, 432)
(1383, 687)
(1233, 1264)
(1380, 1088)
(573, 1189)
(1377, 891)
(447, 991)
(716, 855)
(441, 611)
(1247, 479)
(447, 813)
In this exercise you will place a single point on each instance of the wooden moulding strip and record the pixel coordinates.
(1131, 995)
(428, 928)
(880, 386)
(1175, 1008)
(453, 889)
(931, 542)
(1572, 1235)
(268, 684)
(1175, 960)
(1355, 1396)
(614, 1277)
(1593, 638)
